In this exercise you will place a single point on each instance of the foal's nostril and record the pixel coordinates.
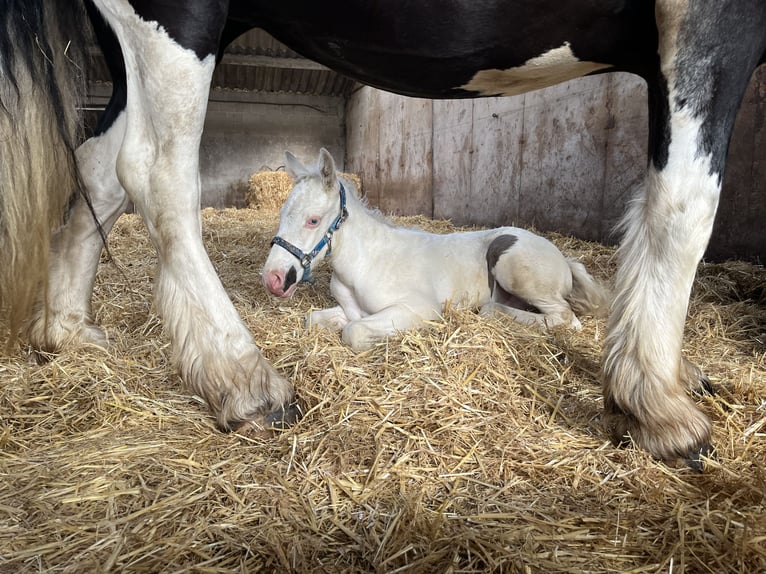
(292, 277)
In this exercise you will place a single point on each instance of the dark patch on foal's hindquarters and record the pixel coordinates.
(499, 245)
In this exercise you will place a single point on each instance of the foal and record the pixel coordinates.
(387, 279)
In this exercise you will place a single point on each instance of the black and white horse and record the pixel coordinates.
(696, 58)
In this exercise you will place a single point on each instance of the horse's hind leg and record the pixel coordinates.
(65, 317)
(704, 73)
(547, 313)
(158, 166)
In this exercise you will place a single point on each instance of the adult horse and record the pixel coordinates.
(696, 58)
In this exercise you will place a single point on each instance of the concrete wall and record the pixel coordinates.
(565, 159)
(246, 131)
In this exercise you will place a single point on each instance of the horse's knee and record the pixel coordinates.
(97, 165)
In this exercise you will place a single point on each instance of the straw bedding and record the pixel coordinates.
(472, 446)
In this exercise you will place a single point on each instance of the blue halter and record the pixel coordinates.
(306, 258)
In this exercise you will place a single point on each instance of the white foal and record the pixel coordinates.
(388, 279)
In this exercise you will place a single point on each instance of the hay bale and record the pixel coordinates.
(267, 189)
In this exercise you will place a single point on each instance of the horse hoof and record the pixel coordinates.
(697, 382)
(280, 419)
(706, 387)
(695, 460)
(284, 417)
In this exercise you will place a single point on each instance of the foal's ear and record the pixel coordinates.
(294, 167)
(327, 170)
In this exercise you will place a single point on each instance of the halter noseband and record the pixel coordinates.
(305, 259)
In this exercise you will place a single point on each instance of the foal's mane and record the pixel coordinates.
(352, 189)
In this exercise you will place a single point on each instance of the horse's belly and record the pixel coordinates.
(468, 48)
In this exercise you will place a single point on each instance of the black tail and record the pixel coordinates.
(42, 44)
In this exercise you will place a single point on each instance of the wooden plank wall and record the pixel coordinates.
(564, 159)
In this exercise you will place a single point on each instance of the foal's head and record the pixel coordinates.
(310, 215)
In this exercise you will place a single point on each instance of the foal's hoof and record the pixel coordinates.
(280, 419)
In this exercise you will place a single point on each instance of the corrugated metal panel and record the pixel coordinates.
(259, 42)
(256, 62)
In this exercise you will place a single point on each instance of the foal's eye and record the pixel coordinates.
(312, 222)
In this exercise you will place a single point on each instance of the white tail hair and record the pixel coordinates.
(41, 127)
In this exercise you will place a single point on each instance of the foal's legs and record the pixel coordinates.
(158, 166)
(667, 228)
(363, 333)
(552, 314)
(333, 319)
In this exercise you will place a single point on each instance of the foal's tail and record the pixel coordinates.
(588, 296)
(39, 130)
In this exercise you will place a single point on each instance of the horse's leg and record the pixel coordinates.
(363, 333)
(158, 166)
(333, 318)
(552, 314)
(693, 105)
(65, 316)
(64, 313)
(526, 279)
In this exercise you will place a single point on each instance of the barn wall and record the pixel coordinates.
(245, 131)
(565, 159)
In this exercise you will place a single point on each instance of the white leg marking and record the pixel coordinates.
(362, 334)
(76, 248)
(333, 318)
(666, 231)
(158, 166)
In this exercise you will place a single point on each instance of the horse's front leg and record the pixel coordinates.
(644, 394)
(667, 229)
(158, 166)
(363, 333)
(333, 318)
(63, 315)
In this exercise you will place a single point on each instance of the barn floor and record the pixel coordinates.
(473, 446)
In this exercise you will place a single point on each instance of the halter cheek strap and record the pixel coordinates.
(305, 259)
